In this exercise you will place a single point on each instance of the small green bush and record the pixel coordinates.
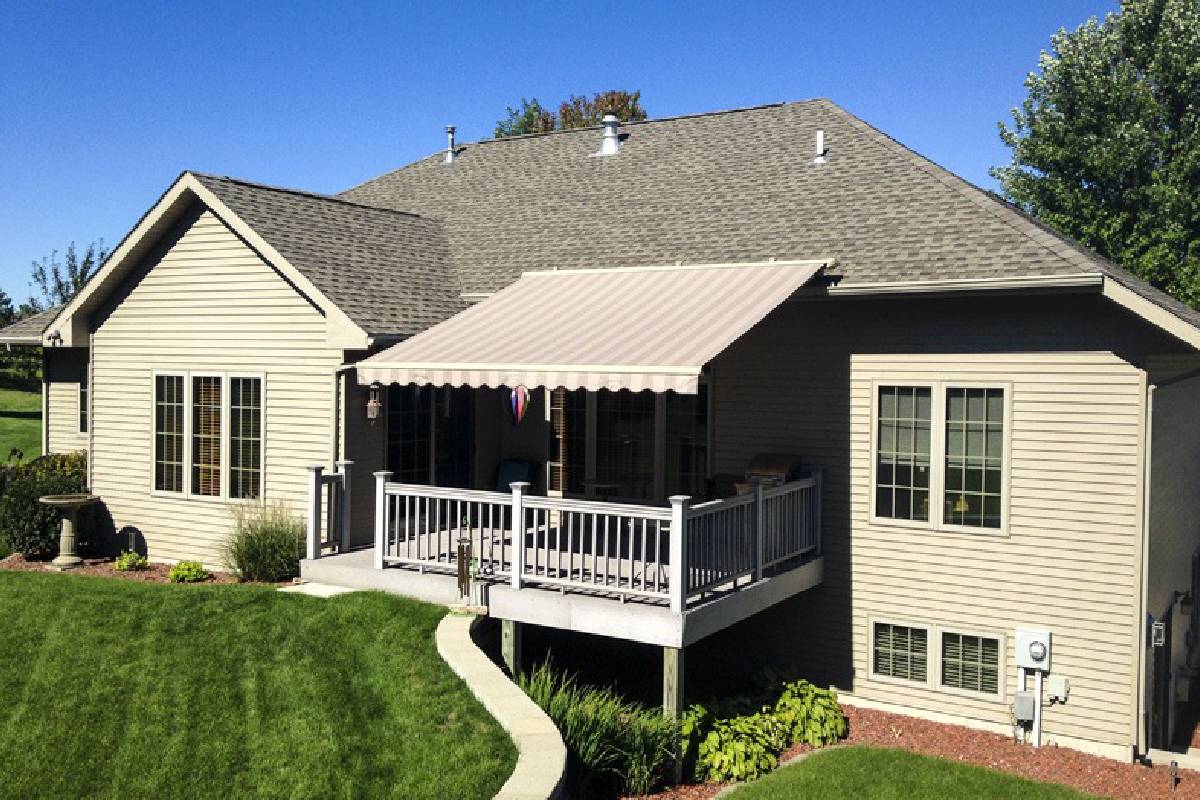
(732, 744)
(267, 543)
(613, 744)
(187, 572)
(32, 528)
(130, 561)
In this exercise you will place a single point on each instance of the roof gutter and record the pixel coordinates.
(1082, 280)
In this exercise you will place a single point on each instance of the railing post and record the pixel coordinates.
(759, 529)
(313, 540)
(381, 521)
(518, 532)
(819, 477)
(678, 551)
(344, 507)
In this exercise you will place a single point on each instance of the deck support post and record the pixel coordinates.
(759, 529)
(344, 507)
(510, 645)
(518, 532)
(677, 574)
(673, 699)
(381, 479)
(313, 533)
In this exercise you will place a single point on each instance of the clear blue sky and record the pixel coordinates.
(101, 106)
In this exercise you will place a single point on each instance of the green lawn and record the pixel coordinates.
(869, 773)
(118, 689)
(20, 419)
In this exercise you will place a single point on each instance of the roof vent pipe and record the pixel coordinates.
(610, 144)
(820, 156)
(449, 159)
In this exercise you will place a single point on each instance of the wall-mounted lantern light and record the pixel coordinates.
(374, 401)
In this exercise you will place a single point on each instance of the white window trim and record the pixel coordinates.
(83, 413)
(186, 493)
(1001, 671)
(937, 456)
(933, 658)
(929, 655)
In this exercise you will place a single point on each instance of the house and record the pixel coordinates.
(566, 351)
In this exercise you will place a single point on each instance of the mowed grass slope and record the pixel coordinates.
(20, 417)
(872, 773)
(115, 689)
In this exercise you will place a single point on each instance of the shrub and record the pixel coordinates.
(613, 744)
(130, 561)
(29, 527)
(725, 746)
(267, 543)
(187, 572)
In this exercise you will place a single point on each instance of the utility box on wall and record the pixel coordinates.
(1033, 649)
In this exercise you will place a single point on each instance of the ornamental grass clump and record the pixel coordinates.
(267, 543)
(614, 745)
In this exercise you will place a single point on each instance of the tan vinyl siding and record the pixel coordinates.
(64, 367)
(802, 382)
(208, 304)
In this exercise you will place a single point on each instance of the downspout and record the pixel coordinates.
(1141, 713)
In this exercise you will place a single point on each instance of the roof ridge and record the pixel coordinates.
(1052, 241)
(303, 193)
(655, 120)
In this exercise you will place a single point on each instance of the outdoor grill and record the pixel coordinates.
(772, 469)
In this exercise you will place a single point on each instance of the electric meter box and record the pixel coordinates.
(1033, 649)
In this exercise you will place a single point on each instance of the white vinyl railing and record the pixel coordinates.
(328, 523)
(632, 551)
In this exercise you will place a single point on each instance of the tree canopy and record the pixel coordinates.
(1106, 147)
(574, 112)
(60, 280)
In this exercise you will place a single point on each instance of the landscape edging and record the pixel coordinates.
(541, 754)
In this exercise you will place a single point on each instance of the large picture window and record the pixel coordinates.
(208, 435)
(245, 438)
(168, 433)
(940, 455)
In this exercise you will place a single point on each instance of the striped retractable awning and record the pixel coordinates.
(635, 328)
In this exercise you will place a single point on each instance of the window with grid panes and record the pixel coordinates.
(971, 662)
(900, 651)
(686, 443)
(245, 437)
(410, 433)
(625, 442)
(206, 436)
(168, 433)
(902, 452)
(974, 457)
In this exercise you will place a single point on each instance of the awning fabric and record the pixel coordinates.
(634, 328)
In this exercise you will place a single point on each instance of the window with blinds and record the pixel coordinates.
(245, 438)
(971, 663)
(168, 433)
(206, 436)
(900, 651)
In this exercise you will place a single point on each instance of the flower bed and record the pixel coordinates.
(153, 573)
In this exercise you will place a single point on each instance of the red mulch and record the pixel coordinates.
(1092, 774)
(153, 573)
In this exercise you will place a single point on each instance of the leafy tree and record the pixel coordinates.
(531, 117)
(582, 112)
(1106, 148)
(59, 281)
(575, 112)
(7, 314)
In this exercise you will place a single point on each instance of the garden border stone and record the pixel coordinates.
(541, 753)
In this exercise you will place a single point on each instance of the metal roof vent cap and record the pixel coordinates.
(821, 151)
(610, 145)
(449, 159)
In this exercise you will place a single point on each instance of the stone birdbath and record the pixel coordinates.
(69, 505)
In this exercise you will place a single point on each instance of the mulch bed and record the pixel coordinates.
(1091, 774)
(153, 573)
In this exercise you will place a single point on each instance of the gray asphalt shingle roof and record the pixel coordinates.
(723, 187)
(30, 329)
(386, 270)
